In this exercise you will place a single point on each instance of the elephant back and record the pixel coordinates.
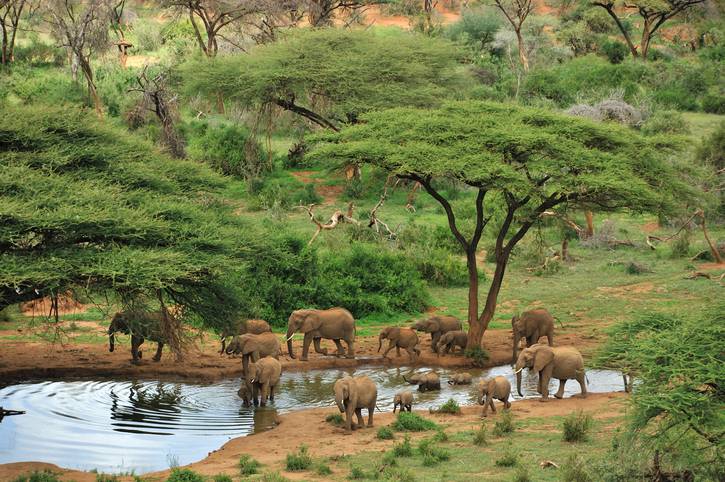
(539, 318)
(256, 327)
(448, 323)
(367, 391)
(567, 362)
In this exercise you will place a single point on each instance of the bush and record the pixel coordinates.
(44, 476)
(248, 465)
(665, 122)
(714, 103)
(230, 149)
(504, 425)
(615, 51)
(222, 478)
(403, 449)
(439, 267)
(510, 458)
(440, 436)
(106, 478)
(451, 406)
(323, 469)
(680, 247)
(412, 422)
(298, 461)
(522, 474)
(476, 28)
(480, 436)
(335, 419)
(356, 473)
(432, 454)
(478, 355)
(633, 267)
(574, 470)
(712, 150)
(576, 426)
(273, 477)
(184, 475)
(385, 433)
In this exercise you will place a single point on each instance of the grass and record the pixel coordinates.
(574, 470)
(480, 436)
(385, 433)
(576, 426)
(42, 476)
(412, 422)
(301, 460)
(248, 465)
(509, 458)
(504, 425)
(184, 475)
(450, 407)
(404, 448)
(323, 469)
(335, 419)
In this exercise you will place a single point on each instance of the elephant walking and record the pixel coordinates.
(437, 326)
(254, 347)
(532, 325)
(404, 400)
(242, 327)
(334, 324)
(405, 338)
(497, 388)
(140, 325)
(560, 362)
(450, 340)
(352, 394)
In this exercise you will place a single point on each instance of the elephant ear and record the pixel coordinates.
(434, 324)
(543, 356)
(310, 322)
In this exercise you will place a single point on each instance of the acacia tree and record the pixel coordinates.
(516, 12)
(11, 12)
(320, 13)
(654, 14)
(518, 161)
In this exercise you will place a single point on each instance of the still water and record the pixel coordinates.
(143, 426)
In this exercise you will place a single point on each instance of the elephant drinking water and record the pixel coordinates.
(334, 324)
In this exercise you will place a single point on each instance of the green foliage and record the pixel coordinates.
(273, 477)
(106, 478)
(336, 419)
(480, 436)
(615, 51)
(301, 460)
(439, 267)
(222, 478)
(712, 150)
(576, 426)
(323, 469)
(44, 476)
(412, 422)
(440, 436)
(522, 474)
(575, 470)
(680, 246)
(451, 407)
(509, 458)
(33, 85)
(476, 28)
(666, 122)
(504, 425)
(635, 268)
(432, 454)
(356, 473)
(184, 475)
(113, 83)
(403, 449)
(714, 103)
(248, 465)
(385, 433)
(478, 355)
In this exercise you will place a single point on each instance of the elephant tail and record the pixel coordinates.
(558, 320)
(376, 406)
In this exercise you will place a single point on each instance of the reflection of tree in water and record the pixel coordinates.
(155, 404)
(310, 387)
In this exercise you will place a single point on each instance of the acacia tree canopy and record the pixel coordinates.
(527, 160)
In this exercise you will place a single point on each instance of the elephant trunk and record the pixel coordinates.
(224, 344)
(111, 342)
(518, 383)
(290, 333)
(339, 401)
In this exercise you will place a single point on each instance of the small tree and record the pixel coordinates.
(516, 12)
(11, 11)
(654, 14)
(517, 160)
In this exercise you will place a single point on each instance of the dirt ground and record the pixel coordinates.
(270, 448)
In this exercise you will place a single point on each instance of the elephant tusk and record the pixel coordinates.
(517, 371)
(290, 337)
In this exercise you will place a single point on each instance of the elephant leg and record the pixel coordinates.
(360, 420)
(370, 415)
(157, 356)
(544, 384)
(434, 337)
(506, 403)
(340, 348)
(271, 393)
(485, 408)
(530, 340)
(349, 425)
(535, 336)
(493, 405)
(582, 383)
(411, 354)
(391, 345)
(306, 346)
(318, 348)
(255, 393)
(265, 394)
(560, 392)
(550, 339)
(350, 348)
(410, 408)
(397, 350)
(136, 342)
(245, 365)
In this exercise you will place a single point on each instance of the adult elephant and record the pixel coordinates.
(254, 347)
(334, 324)
(261, 380)
(532, 325)
(426, 382)
(242, 327)
(352, 394)
(560, 362)
(398, 338)
(140, 325)
(437, 326)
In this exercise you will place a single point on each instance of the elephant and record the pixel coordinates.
(260, 381)
(532, 325)
(405, 338)
(450, 340)
(427, 382)
(352, 394)
(334, 324)
(242, 327)
(437, 326)
(464, 378)
(498, 388)
(140, 325)
(414, 378)
(404, 400)
(254, 347)
(561, 362)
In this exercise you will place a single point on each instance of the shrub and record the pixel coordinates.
(615, 51)
(385, 433)
(398, 474)
(665, 122)
(323, 469)
(356, 473)
(576, 426)
(231, 149)
(478, 355)
(335, 419)
(712, 150)
(680, 247)
(439, 267)
(714, 103)
(476, 28)
(509, 458)
(480, 436)
(634, 267)
(44, 476)
(354, 189)
(574, 470)
(522, 474)
(440, 436)
(184, 475)
(403, 449)
(222, 478)
(106, 478)
(248, 465)
(273, 477)
(432, 454)
(451, 406)
(504, 425)
(309, 195)
(412, 422)
(298, 461)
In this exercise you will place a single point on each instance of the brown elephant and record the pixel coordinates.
(140, 325)
(254, 347)
(532, 325)
(242, 327)
(264, 379)
(334, 324)
(404, 400)
(497, 388)
(405, 338)
(426, 382)
(464, 378)
(450, 340)
(437, 326)
(414, 378)
(560, 362)
(352, 394)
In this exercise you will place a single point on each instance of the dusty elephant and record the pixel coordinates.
(464, 378)
(242, 327)
(334, 324)
(352, 394)
(532, 325)
(497, 388)
(560, 362)
(451, 340)
(254, 347)
(264, 379)
(426, 382)
(404, 400)
(140, 325)
(437, 326)
(405, 338)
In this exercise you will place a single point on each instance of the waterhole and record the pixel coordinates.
(124, 426)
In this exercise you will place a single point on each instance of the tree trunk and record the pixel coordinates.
(564, 249)
(4, 57)
(522, 51)
(474, 337)
(590, 223)
(479, 326)
(88, 73)
(623, 30)
(646, 38)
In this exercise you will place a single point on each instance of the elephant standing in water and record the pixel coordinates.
(260, 381)
(140, 325)
(561, 362)
(437, 326)
(352, 394)
(405, 338)
(254, 347)
(334, 324)
(242, 327)
(532, 325)
(426, 382)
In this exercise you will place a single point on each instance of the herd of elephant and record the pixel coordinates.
(260, 350)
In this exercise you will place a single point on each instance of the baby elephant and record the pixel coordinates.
(352, 394)
(426, 382)
(460, 379)
(497, 388)
(405, 338)
(404, 400)
(452, 339)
